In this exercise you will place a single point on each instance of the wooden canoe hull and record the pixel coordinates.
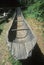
(21, 39)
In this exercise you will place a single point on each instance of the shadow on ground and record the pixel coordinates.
(36, 59)
(4, 21)
(1, 31)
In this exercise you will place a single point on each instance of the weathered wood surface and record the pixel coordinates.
(25, 40)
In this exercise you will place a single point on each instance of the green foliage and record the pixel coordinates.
(1, 26)
(24, 2)
(3, 63)
(13, 61)
(35, 10)
(18, 63)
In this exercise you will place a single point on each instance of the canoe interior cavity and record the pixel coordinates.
(21, 39)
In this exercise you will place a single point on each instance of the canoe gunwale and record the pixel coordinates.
(33, 41)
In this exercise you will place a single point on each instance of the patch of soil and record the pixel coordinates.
(38, 29)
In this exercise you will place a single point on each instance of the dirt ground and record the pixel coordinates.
(4, 53)
(38, 29)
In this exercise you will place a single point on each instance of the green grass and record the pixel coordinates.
(43, 34)
(35, 11)
(13, 61)
(2, 25)
(3, 63)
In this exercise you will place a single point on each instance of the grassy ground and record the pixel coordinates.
(4, 53)
(38, 29)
